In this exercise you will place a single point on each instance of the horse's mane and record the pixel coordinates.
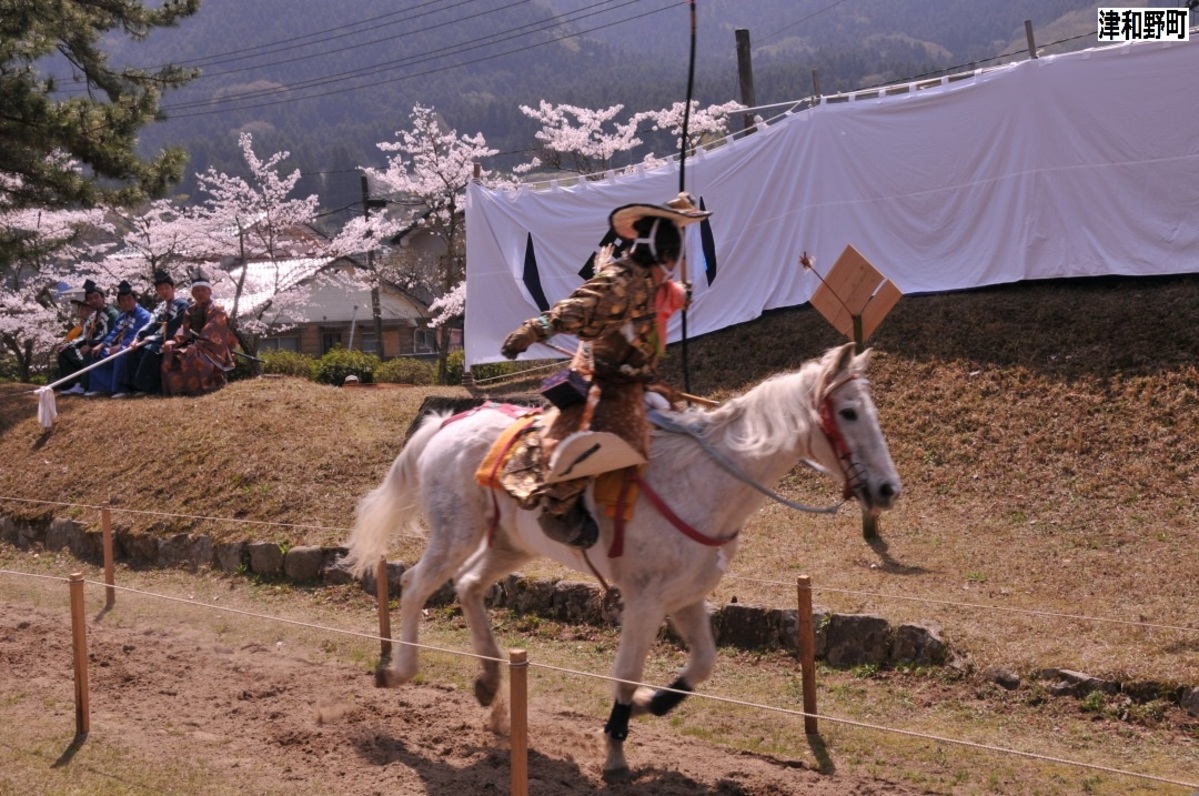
(762, 420)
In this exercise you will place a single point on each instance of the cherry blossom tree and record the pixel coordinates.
(263, 255)
(429, 167)
(705, 125)
(161, 236)
(45, 245)
(579, 139)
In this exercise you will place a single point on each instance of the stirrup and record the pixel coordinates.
(586, 453)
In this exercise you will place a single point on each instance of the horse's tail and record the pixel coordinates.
(393, 505)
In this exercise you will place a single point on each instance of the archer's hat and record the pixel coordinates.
(681, 210)
(163, 278)
(200, 279)
(124, 289)
(90, 287)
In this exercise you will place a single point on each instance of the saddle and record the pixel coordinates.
(601, 454)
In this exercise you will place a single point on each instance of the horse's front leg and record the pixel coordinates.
(639, 621)
(695, 629)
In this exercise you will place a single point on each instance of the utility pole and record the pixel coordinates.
(376, 300)
(745, 74)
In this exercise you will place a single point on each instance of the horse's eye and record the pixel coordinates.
(849, 415)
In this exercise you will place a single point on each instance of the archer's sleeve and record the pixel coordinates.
(594, 306)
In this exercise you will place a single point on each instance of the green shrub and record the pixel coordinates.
(334, 366)
(288, 363)
(242, 368)
(405, 370)
(491, 370)
(455, 364)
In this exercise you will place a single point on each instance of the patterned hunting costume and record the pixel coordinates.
(203, 350)
(620, 317)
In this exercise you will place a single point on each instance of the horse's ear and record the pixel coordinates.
(845, 358)
(838, 361)
(864, 359)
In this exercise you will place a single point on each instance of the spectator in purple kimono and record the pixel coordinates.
(197, 358)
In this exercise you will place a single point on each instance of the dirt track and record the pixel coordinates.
(272, 721)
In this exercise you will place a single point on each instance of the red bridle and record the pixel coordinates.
(828, 424)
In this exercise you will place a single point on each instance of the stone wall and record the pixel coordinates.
(841, 640)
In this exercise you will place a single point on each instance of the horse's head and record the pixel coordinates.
(848, 422)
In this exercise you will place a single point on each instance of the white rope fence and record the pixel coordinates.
(763, 581)
(519, 662)
(982, 606)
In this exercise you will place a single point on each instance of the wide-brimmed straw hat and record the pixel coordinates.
(681, 210)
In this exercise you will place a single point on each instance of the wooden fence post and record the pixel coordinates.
(110, 592)
(1032, 42)
(807, 653)
(381, 595)
(518, 683)
(83, 720)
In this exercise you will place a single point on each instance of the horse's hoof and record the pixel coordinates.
(485, 691)
(618, 775)
(642, 698)
(387, 677)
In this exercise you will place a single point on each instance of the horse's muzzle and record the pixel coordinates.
(878, 497)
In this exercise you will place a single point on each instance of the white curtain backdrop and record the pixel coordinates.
(1073, 165)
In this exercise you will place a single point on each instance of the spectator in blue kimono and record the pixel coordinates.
(106, 378)
(143, 371)
(84, 349)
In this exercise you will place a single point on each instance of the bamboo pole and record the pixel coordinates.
(83, 721)
(110, 592)
(807, 653)
(518, 683)
(381, 595)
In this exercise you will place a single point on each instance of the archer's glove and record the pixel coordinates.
(519, 341)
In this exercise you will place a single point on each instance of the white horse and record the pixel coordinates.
(821, 413)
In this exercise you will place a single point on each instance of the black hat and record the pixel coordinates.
(163, 278)
(200, 279)
(90, 287)
(124, 289)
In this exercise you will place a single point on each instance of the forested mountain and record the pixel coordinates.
(328, 80)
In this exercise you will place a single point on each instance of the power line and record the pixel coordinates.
(268, 48)
(433, 56)
(423, 57)
(778, 31)
(406, 33)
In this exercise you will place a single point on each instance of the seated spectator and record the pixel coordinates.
(85, 349)
(143, 372)
(69, 359)
(197, 358)
(106, 378)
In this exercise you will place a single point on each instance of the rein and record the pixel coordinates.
(632, 478)
(674, 426)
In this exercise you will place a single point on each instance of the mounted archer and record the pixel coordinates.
(600, 425)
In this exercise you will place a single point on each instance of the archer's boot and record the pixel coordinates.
(576, 527)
